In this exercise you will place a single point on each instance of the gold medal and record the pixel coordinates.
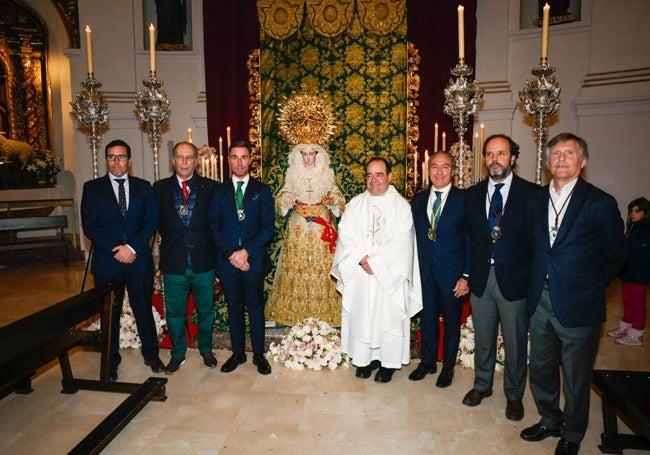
(183, 210)
(432, 234)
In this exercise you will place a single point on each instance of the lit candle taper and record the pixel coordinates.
(546, 10)
(435, 137)
(89, 49)
(152, 48)
(444, 141)
(221, 158)
(461, 32)
(228, 137)
(189, 135)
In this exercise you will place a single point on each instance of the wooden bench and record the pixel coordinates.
(34, 341)
(624, 392)
(14, 225)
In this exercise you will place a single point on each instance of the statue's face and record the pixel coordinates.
(309, 157)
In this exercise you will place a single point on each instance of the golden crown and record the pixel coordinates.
(307, 118)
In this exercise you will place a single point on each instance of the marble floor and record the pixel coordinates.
(286, 412)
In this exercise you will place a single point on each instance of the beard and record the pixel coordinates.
(499, 173)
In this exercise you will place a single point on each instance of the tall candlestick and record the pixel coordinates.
(435, 137)
(546, 9)
(89, 49)
(461, 33)
(228, 137)
(221, 158)
(481, 138)
(189, 135)
(425, 169)
(203, 166)
(444, 141)
(152, 48)
(415, 169)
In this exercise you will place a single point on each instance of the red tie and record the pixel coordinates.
(186, 192)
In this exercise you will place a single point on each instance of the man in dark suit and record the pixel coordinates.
(119, 215)
(442, 253)
(578, 248)
(187, 254)
(243, 225)
(496, 222)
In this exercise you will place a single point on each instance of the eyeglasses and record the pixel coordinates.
(120, 158)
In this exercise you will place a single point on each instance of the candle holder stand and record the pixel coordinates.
(152, 110)
(91, 112)
(541, 99)
(462, 97)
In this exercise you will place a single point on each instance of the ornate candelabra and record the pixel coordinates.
(91, 111)
(152, 109)
(541, 99)
(462, 97)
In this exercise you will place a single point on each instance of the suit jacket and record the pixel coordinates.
(176, 238)
(103, 224)
(511, 252)
(255, 230)
(447, 256)
(587, 254)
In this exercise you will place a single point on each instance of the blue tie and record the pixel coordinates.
(496, 206)
(436, 207)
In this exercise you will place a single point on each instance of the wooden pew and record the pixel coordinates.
(34, 341)
(14, 225)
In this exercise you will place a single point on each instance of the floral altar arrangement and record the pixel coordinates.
(44, 167)
(465, 357)
(311, 344)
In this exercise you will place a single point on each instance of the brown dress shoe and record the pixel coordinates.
(514, 410)
(474, 397)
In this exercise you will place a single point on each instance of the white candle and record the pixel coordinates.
(203, 166)
(213, 167)
(89, 49)
(435, 137)
(425, 168)
(415, 169)
(189, 135)
(221, 157)
(152, 48)
(481, 138)
(444, 141)
(461, 33)
(546, 9)
(228, 137)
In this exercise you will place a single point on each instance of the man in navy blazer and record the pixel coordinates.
(187, 254)
(243, 225)
(121, 252)
(438, 215)
(578, 248)
(497, 224)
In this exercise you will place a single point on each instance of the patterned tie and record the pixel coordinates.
(496, 206)
(121, 196)
(240, 194)
(186, 192)
(436, 207)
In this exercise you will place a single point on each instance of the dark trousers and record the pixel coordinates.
(488, 311)
(139, 286)
(437, 301)
(577, 347)
(244, 292)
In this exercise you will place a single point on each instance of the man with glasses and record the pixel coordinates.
(119, 215)
(187, 255)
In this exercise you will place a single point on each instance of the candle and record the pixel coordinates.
(424, 175)
(213, 167)
(203, 166)
(152, 48)
(89, 49)
(228, 137)
(481, 138)
(435, 137)
(415, 169)
(221, 158)
(189, 135)
(461, 33)
(425, 168)
(546, 9)
(444, 141)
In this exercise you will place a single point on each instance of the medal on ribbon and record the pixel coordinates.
(241, 215)
(496, 233)
(431, 234)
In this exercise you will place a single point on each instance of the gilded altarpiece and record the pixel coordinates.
(355, 54)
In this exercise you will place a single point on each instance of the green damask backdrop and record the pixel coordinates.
(364, 77)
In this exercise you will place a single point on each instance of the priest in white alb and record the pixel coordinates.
(377, 273)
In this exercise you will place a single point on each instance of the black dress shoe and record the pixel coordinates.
(175, 364)
(112, 375)
(262, 364)
(209, 360)
(474, 397)
(365, 372)
(233, 362)
(565, 447)
(445, 377)
(538, 432)
(514, 410)
(157, 365)
(422, 370)
(384, 374)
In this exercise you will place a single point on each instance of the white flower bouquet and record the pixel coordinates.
(465, 357)
(311, 344)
